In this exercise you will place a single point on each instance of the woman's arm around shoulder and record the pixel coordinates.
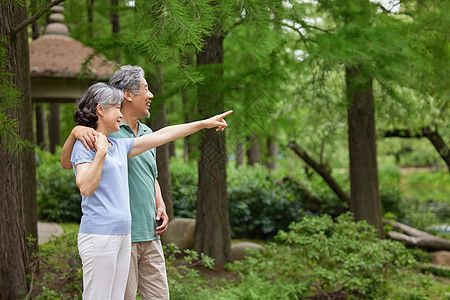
(85, 135)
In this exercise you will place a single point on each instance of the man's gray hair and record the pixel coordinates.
(127, 78)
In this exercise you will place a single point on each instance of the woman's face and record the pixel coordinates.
(110, 120)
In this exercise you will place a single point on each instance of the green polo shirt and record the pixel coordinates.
(142, 173)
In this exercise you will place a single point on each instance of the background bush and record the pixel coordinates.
(339, 259)
(317, 258)
(58, 197)
(259, 204)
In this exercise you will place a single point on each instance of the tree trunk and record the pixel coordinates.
(115, 24)
(40, 126)
(159, 120)
(91, 12)
(253, 151)
(171, 149)
(34, 27)
(114, 17)
(438, 144)
(239, 154)
(212, 231)
(364, 198)
(54, 131)
(273, 146)
(18, 218)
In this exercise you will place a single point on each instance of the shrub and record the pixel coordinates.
(261, 208)
(259, 205)
(392, 202)
(184, 188)
(329, 258)
(58, 197)
(184, 279)
(60, 266)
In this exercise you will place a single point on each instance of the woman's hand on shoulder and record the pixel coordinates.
(101, 143)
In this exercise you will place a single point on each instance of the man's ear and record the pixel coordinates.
(128, 95)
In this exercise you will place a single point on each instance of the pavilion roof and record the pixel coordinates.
(60, 56)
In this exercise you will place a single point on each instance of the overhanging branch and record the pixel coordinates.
(432, 135)
(321, 171)
(32, 19)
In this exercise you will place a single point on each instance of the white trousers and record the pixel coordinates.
(106, 261)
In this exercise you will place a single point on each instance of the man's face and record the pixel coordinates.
(142, 100)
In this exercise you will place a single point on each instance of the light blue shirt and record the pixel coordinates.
(107, 210)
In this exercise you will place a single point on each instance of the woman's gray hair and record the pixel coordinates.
(127, 78)
(106, 95)
(101, 94)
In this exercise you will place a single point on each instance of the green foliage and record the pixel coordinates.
(255, 286)
(259, 204)
(60, 265)
(434, 179)
(392, 202)
(184, 279)
(329, 258)
(184, 188)
(58, 196)
(171, 24)
(9, 100)
(317, 256)
(416, 286)
(359, 265)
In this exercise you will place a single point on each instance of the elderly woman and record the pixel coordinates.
(104, 238)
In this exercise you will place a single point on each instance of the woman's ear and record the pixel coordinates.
(100, 110)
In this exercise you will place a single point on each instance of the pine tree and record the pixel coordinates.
(376, 49)
(18, 183)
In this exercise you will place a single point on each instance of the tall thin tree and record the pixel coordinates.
(212, 231)
(18, 213)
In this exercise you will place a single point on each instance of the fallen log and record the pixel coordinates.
(437, 270)
(415, 237)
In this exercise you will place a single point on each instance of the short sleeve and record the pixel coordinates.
(80, 154)
(126, 144)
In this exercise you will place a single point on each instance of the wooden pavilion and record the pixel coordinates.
(62, 69)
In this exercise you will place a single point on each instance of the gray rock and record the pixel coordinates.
(181, 232)
(238, 250)
(441, 258)
(48, 230)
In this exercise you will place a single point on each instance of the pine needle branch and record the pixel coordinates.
(32, 19)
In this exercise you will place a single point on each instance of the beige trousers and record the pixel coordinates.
(147, 272)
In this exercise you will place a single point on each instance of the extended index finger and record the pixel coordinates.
(223, 115)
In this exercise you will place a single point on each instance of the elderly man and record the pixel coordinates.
(149, 218)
